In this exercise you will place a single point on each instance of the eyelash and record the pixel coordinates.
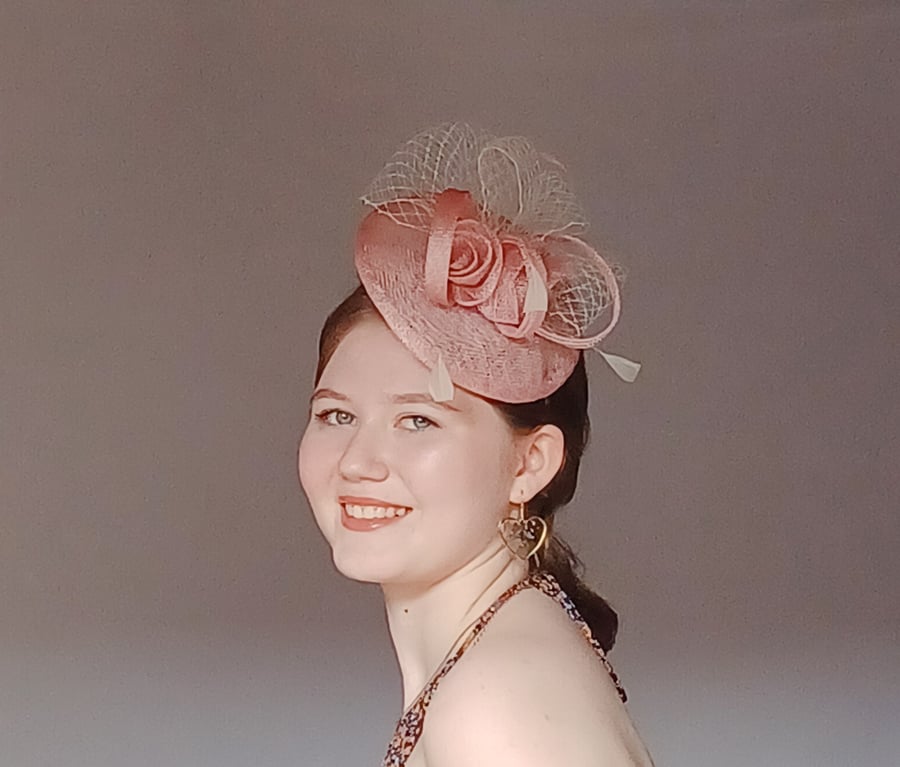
(329, 417)
(428, 422)
(325, 416)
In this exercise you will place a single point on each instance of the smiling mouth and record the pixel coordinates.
(374, 512)
(365, 518)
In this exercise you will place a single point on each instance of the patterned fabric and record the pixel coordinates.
(409, 728)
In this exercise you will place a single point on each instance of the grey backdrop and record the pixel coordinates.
(179, 184)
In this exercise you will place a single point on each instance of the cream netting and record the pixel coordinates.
(519, 192)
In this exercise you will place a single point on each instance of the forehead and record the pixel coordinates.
(371, 362)
(371, 347)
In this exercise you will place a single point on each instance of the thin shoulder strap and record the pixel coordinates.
(475, 632)
(547, 584)
(409, 728)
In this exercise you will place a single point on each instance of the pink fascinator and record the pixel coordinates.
(473, 257)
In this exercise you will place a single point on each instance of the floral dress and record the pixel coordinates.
(409, 728)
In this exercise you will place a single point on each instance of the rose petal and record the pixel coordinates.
(478, 262)
(475, 253)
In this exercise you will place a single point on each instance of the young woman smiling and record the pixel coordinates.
(446, 428)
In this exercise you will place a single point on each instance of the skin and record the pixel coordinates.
(458, 467)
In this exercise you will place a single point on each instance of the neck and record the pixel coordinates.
(426, 621)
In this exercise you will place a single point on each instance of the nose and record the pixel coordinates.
(362, 458)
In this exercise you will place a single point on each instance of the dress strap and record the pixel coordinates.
(409, 728)
(547, 584)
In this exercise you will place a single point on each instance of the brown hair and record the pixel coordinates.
(566, 408)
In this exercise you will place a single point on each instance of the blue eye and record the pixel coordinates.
(417, 422)
(335, 417)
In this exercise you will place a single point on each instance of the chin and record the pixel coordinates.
(363, 569)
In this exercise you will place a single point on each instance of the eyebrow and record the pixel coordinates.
(397, 399)
(328, 394)
(424, 399)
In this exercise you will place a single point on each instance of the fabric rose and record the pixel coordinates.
(469, 264)
(476, 262)
(507, 307)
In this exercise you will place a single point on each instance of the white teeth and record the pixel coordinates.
(374, 512)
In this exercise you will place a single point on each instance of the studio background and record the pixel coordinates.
(178, 195)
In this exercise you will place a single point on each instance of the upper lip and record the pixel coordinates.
(355, 500)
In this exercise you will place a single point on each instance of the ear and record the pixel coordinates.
(541, 454)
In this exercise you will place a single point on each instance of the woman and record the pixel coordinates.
(447, 426)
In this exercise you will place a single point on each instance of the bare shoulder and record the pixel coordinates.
(531, 692)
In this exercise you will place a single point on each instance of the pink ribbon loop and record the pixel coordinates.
(576, 247)
(534, 268)
(449, 207)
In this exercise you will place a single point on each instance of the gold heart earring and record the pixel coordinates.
(523, 536)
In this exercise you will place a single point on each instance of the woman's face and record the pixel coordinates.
(405, 489)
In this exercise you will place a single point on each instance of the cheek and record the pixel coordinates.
(462, 475)
(314, 475)
(314, 459)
